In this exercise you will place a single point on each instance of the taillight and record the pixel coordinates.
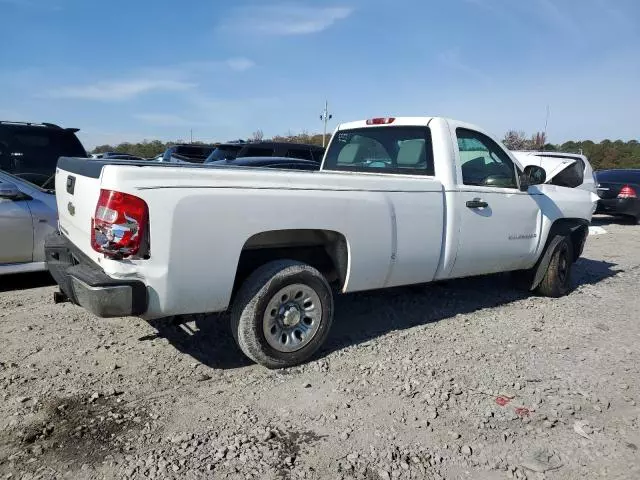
(380, 121)
(119, 225)
(627, 192)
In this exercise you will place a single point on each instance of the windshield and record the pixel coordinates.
(224, 153)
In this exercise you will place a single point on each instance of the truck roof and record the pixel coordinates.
(396, 121)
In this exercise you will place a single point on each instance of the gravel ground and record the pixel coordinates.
(464, 379)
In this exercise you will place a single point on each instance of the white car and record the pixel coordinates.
(398, 201)
(27, 215)
(563, 169)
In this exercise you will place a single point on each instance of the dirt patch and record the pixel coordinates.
(74, 432)
(289, 447)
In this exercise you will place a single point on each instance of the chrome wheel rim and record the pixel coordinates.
(292, 318)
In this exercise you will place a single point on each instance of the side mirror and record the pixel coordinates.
(533, 175)
(9, 191)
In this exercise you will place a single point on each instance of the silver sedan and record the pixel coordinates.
(28, 214)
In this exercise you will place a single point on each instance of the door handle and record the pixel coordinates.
(477, 204)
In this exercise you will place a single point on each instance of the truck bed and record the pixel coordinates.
(201, 218)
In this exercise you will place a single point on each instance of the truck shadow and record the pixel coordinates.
(25, 281)
(362, 317)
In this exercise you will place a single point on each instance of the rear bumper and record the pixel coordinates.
(86, 284)
(619, 206)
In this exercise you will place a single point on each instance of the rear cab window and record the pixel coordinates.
(401, 150)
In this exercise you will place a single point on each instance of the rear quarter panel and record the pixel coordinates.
(201, 219)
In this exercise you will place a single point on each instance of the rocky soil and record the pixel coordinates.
(465, 379)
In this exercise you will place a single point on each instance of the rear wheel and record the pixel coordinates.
(282, 313)
(557, 279)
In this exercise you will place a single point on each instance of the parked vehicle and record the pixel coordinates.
(191, 153)
(31, 150)
(115, 156)
(618, 190)
(269, 162)
(398, 201)
(27, 215)
(563, 169)
(225, 151)
(230, 151)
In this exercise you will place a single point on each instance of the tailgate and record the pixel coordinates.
(77, 196)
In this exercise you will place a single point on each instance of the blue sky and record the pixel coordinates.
(126, 71)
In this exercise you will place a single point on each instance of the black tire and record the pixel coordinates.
(557, 279)
(252, 300)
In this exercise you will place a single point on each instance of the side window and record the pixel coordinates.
(299, 153)
(394, 150)
(483, 162)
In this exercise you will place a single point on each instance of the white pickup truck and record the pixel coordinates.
(398, 201)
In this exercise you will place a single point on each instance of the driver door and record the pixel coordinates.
(499, 224)
(16, 227)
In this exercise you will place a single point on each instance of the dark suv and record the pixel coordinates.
(31, 150)
(302, 151)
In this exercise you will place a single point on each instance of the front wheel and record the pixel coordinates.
(557, 279)
(282, 313)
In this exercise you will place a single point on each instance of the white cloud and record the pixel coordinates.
(286, 19)
(119, 90)
(240, 64)
(172, 78)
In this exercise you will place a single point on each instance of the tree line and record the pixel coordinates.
(602, 155)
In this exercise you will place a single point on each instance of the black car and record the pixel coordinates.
(269, 162)
(618, 191)
(31, 150)
(302, 151)
(193, 153)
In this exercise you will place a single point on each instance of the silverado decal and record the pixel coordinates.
(523, 236)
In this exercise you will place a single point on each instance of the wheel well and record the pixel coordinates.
(576, 228)
(325, 250)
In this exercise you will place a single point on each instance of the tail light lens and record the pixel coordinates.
(381, 121)
(119, 226)
(627, 192)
